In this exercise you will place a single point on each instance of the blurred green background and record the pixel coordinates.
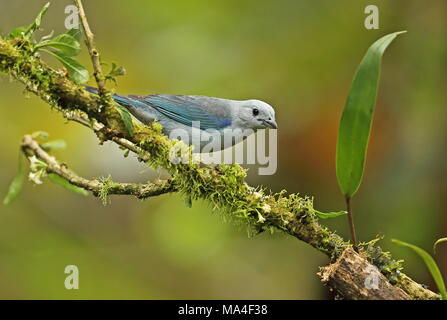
(300, 56)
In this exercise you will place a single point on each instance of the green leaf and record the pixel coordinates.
(115, 72)
(76, 71)
(75, 33)
(54, 145)
(438, 242)
(65, 43)
(36, 24)
(431, 265)
(16, 185)
(355, 123)
(327, 215)
(18, 32)
(40, 134)
(127, 119)
(188, 201)
(67, 185)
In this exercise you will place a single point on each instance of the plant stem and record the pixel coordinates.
(351, 223)
(94, 54)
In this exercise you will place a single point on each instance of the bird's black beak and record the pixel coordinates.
(270, 123)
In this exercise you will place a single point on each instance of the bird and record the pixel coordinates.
(220, 123)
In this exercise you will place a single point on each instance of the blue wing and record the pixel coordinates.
(185, 110)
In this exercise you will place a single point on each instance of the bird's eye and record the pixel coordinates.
(255, 112)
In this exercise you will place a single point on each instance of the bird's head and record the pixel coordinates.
(256, 114)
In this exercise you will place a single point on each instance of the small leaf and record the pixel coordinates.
(188, 201)
(75, 33)
(115, 72)
(54, 145)
(40, 134)
(36, 24)
(127, 119)
(18, 32)
(355, 123)
(438, 242)
(326, 215)
(76, 71)
(65, 43)
(67, 185)
(431, 265)
(16, 185)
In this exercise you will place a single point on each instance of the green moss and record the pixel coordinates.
(106, 185)
(382, 259)
(222, 186)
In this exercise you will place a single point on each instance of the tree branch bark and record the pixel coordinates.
(97, 187)
(222, 186)
(94, 53)
(356, 279)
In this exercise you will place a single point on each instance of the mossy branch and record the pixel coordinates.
(94, 53)
(99, 187)
(223, 186)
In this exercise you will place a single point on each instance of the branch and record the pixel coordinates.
(94, 53)
(97, 187)
(223, 186)
(355, 278)
(98, 128)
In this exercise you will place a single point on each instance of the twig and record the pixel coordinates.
(94, 53)
(351, 224)
(223, 186)
(83, 119)
(141, 191)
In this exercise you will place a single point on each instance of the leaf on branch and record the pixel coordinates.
(75, 33)
(127, 119)
(16, 185)
(40, 134)
(67, 185)
(28, 32)
(438, 242)
(54, 145)
(431, 265)
(355, 123)
(327, 215)
(65, 43)
(18, 32)
(77, 72)
(115, 72)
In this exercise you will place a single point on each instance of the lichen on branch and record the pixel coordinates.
(223, 186)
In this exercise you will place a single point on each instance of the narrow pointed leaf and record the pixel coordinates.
(76, 71)
(75, 33)
(67, 185)
(65, 43)
(438, 242)
(16, 185)
(431, 265)
(355, 123)
(127, 119)
(327, 215)
(36, 24)
(54, 145)
(40, 134)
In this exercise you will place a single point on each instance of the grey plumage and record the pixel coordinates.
(213, 117)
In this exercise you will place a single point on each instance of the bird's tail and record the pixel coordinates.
(137, 108)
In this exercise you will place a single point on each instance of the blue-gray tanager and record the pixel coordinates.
(212, 118)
